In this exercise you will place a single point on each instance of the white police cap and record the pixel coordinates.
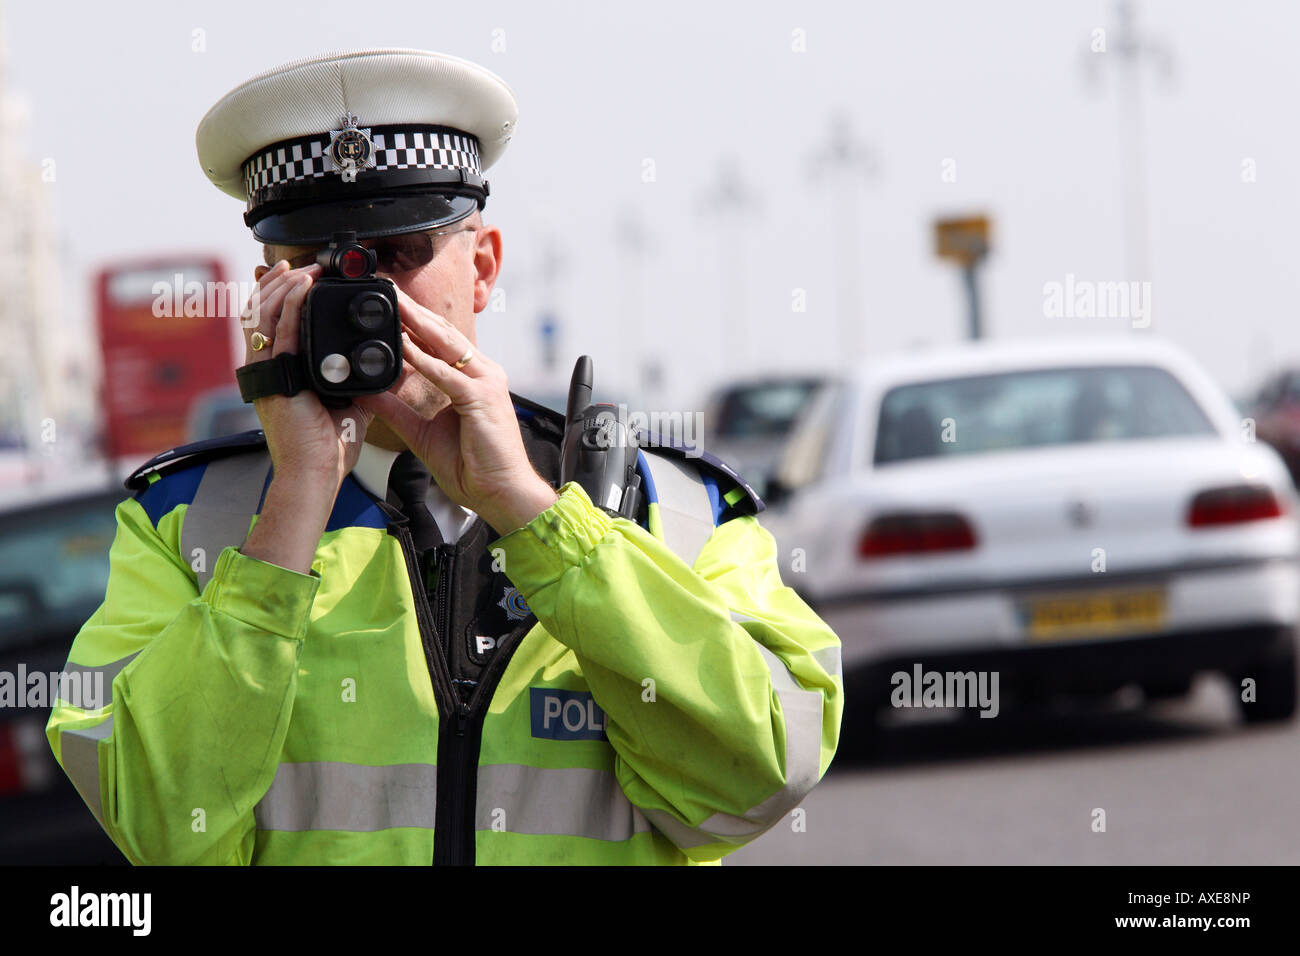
(377, 142)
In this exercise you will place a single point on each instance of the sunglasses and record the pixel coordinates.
(396, 254)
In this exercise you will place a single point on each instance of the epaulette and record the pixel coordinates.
(195, 453)
(743, 501)
(540, 415)
(746, 501)
(212, 448)
(223, 446)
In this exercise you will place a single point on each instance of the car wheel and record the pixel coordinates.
(859, 722)
(1275, 689)
(1167, 689)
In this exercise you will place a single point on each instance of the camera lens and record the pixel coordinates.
(372, 360)
(370, 311)
(335, 368)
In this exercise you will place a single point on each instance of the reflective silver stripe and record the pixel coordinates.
(349, 796)
(682, 836)
(567, 801)
(803, 734)
(223, 506)
(829, 659)
(109, 671)
(684, 507)
(802, 710)
(80, 751)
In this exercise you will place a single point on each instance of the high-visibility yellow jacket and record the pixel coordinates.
(650, 709)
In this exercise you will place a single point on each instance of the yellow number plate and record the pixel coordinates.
(1096, 614)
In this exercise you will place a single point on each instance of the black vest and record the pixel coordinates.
(476, 611)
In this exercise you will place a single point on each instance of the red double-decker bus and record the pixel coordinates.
(166, 333)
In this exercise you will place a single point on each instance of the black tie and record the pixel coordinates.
(408, 483)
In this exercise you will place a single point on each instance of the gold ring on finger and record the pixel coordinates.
(259, 341)
(464, 359)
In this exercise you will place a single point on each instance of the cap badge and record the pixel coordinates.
(351, 149)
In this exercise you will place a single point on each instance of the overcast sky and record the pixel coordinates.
(1009, 96)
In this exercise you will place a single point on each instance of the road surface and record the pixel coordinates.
(1180, 783)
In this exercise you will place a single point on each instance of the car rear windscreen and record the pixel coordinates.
(1012, 410)
(54, 567)
(766, 409)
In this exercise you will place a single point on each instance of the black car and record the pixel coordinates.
(53, 571)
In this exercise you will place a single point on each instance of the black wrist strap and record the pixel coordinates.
(285, 374)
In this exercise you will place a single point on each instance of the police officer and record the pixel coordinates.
(427, 649)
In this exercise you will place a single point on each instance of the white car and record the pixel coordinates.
(1072, 516)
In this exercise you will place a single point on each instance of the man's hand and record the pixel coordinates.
(305, 438)
(472, 448)
(312, 447)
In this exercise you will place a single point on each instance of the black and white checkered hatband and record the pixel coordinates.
(396, 148)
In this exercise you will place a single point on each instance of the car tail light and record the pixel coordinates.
(915, 534)
(11, 775)
(1233, 505)
(26, 764)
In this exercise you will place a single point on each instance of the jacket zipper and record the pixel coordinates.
(434, 657)
(458, 751)
(457, 760)
(450, 793)
(460, 734)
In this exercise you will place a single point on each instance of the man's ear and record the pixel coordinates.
(260, 271)
(487, 265)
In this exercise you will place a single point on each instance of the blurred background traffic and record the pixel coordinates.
(992, 302)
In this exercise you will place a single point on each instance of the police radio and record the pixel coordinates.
(351, 338)
(599, 451)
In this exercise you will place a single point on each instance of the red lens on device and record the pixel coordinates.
(354, 263)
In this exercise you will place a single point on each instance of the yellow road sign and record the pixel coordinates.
(964, 240)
